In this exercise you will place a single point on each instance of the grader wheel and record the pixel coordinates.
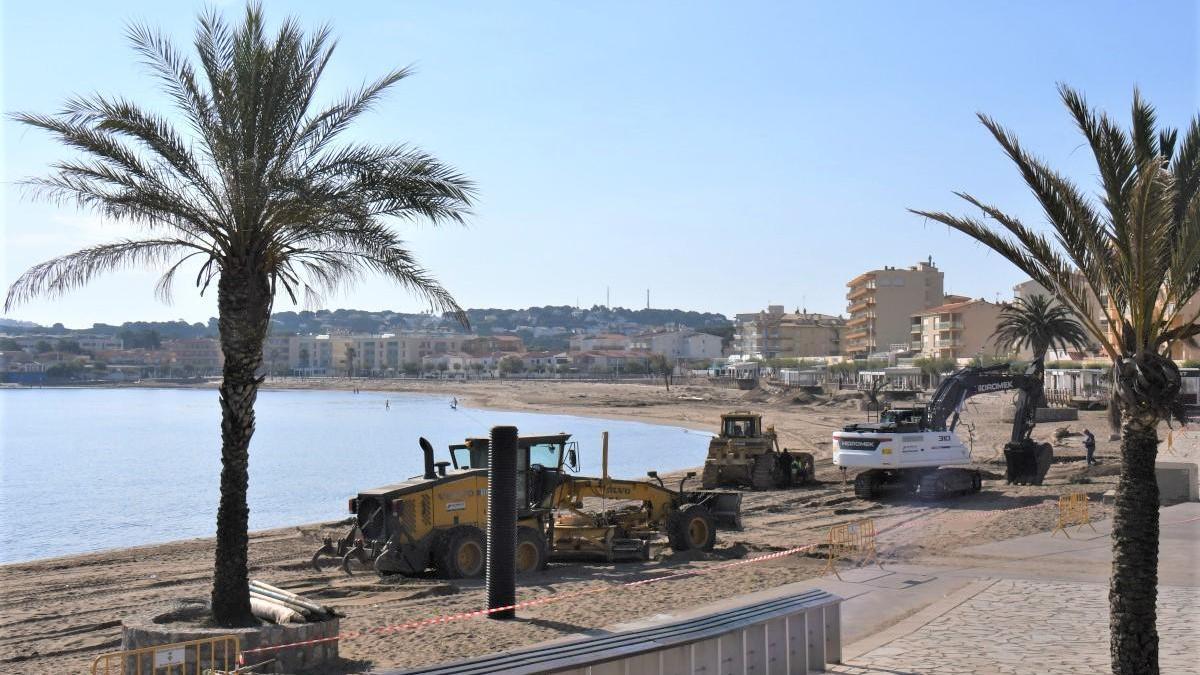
(531, 551)
(462, 554)
(691, 528)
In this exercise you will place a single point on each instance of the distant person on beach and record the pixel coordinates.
(454, 403)
(1089, 443)
(387, 404)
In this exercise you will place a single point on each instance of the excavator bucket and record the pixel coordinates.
(1027, 463)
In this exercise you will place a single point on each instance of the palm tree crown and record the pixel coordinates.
(1039, 324)
(1137, 250)
(1140, 251)
(255, 176)
(256, 189)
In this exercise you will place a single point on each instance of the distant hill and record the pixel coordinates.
(483, 321)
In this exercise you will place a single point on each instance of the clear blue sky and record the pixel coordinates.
(724, 155)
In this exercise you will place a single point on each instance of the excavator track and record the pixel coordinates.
(866, 485)
(949, 483)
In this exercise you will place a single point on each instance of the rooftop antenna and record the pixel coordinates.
(647, 298)
(608, 298)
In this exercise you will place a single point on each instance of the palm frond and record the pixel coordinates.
(255, 174)
(59, 275)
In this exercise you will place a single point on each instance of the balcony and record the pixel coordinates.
(861, 319)
(861, 291)
(948, 325)
(856, 334)
(916, 345)
(865, 303)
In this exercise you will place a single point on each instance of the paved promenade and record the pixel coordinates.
(1019, 627)
(1035, 605)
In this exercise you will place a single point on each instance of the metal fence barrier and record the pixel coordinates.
(1073, 510)
(850, 541)
(179, 658)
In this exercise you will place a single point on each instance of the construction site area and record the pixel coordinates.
(707, 537)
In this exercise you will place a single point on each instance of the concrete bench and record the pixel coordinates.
(792, 633)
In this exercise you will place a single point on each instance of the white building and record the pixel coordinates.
(679, 345)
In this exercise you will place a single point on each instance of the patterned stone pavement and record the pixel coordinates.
(1020, 627)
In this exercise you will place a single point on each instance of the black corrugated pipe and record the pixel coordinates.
(427, 448)
(502, 522)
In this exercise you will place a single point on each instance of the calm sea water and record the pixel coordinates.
(90, 469)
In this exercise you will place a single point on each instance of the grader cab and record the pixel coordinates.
(744, 454)
(438, 520)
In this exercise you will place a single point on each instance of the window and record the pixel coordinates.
(545, 454)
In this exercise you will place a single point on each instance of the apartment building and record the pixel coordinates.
(955, 330)
(678, 344)
(775, 333)
(882, 302)
(361, 354)
(598, 342)
(201, 356)
(490, 344)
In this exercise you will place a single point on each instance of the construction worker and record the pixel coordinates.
(1089, 443)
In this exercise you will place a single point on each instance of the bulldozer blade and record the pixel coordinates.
(326, 550)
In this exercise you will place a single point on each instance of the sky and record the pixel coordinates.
(722, 155)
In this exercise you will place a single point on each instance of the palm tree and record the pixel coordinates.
(1138, 250)
(1038, 323)
(253, 187)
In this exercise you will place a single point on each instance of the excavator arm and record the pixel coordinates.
(942, 411)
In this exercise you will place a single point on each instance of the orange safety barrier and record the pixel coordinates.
(179, 658)
(1073, 510)
(850, 540)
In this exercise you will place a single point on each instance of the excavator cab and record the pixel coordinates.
(902, 420)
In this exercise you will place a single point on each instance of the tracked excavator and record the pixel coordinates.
(916, 449)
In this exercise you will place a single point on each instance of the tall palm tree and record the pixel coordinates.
(255, 189)
(1137, 249)
(1038, 323)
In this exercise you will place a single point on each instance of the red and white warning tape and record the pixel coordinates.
(559, 597)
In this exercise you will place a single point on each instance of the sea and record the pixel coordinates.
(85, 469)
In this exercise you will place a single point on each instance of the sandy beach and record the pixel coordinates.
(60, 613)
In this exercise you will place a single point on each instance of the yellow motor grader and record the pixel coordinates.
(745, 454)
(438, 520)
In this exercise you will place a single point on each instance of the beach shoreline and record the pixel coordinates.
(61, 612)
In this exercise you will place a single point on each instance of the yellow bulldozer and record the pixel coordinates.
(744, 454)
(438, 520)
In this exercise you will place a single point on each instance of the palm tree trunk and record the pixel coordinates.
(1134, 584)
(1040, 372)
(244, 306)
